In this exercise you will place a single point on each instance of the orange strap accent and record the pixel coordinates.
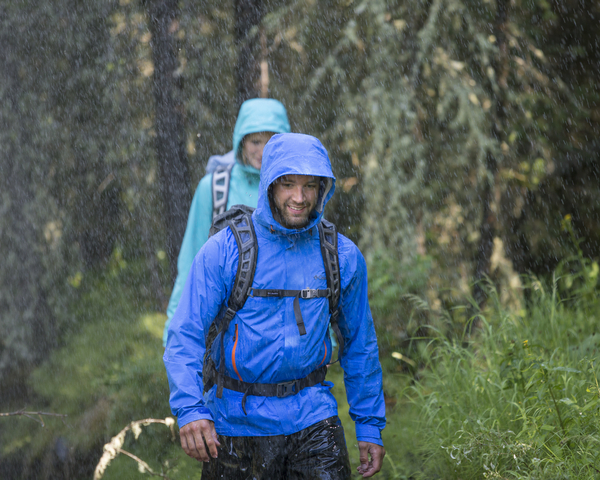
(233, 353)
(324, 356)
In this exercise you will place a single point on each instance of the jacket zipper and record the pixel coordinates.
(233, 353)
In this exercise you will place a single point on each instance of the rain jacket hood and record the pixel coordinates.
(258, 115)
(293, 154)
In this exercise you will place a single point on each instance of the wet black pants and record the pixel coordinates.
(317, 452)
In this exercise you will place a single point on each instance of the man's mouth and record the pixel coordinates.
(296, 209)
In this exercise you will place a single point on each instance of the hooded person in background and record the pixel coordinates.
(258, 120)
(252, 428)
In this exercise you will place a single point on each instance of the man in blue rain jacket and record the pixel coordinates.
(258, 119)
(268, 436)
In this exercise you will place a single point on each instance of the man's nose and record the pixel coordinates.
(298, 194)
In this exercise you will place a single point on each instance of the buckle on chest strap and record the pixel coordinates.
(287, 388)
(308, 293)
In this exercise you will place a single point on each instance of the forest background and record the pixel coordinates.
(464, 137)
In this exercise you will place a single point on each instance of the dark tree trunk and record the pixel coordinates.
(170, 134)
(27, 324)
(489, 220)
(248, 14)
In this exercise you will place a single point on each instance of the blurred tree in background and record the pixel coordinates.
(169, 126)
(461, 132)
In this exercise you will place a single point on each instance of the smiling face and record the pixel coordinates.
(293, 199)
(253, 145)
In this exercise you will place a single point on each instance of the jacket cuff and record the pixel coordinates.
(368, 433)
(200, 413)
(376, 441)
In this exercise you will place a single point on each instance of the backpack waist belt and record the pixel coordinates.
(306, 294)
(279, 390)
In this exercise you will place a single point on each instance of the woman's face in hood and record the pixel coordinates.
(253, 146)
(293, 198)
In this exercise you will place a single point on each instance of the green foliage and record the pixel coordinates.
(391, 280)
(393, 287)
(577, 274)
(403, 94)
(521, 399)
(419, 90)
(108, 372)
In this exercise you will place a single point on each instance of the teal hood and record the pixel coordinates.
(293, 154)
(259, 115)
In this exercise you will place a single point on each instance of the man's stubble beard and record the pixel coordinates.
(285, 221)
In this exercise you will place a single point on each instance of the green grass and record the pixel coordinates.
(519, 399)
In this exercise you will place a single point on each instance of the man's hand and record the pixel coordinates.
(193, 437)
(369, 468)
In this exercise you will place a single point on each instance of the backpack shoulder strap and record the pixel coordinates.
(245, 237)
(234, 214)
(220, 188)
(329, 250)
(239, 219)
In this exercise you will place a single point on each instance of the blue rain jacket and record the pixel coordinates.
(256, 115)
(262, 343)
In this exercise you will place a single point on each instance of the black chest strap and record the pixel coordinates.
(305, 294)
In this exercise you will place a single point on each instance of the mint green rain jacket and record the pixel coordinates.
(256, 115)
